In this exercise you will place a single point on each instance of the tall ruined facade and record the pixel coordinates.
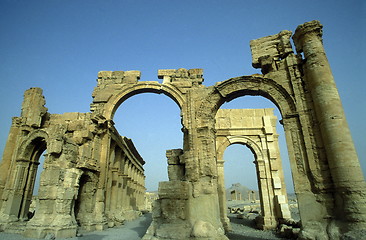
(86, 156)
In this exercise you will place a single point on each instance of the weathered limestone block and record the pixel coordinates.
(131, 76)
(117, 77)
(173, 156)
(175, 165)
(174, 190)
(204, 186)
(181, 77)
(53, 212)
(268, 49)
(206, 230)
(80, 137)
(33, 109)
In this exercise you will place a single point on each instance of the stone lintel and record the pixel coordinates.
(181, 75)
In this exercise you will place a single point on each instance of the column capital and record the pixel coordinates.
(305, 31)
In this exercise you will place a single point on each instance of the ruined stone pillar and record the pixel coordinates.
(8, 154)
(125, 198)
(15, 191)
(267, 219)
(114, 191)
(120, 191)
(28, 190)
(222, 195)
(341, 154)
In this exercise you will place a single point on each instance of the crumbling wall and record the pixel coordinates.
(71, 194)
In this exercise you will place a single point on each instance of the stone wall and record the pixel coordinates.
(73, 193)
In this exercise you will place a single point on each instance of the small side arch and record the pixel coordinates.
(33, 146)
(247, 141)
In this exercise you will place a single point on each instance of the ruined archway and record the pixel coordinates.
(249, 85)
(20, 189)
(327, 177)
(109, 95)
(255, 128)
(154, 123)
(84, 202)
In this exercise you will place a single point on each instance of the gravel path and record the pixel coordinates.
(245, 229)
(135, 230)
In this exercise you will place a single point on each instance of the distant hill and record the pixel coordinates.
(243, 190)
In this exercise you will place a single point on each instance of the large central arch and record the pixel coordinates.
(109, 94)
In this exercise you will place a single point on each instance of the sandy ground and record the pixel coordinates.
(134, 230)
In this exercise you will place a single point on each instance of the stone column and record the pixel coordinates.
(125, 197)
(114, 191)
(222, 195)
(341, 154)
(120, 191)
(28, 190)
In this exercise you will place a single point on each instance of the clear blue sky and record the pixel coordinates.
(61, 45)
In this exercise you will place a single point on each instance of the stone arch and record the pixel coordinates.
(84, 207)
(271, 213)
(248, 86)
(247, 141)
(26, 164)
(35, 141)
(268, 88)
(142, 87)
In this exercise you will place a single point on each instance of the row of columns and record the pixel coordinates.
(125, 185)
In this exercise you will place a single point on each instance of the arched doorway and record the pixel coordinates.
(84, 203)
(153, 122)
(255, 128)
(21, 188)
(108, 97)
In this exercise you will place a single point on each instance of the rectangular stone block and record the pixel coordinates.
(165, 72)
(173, 156)
(281, 199)
(277, 183)
(174, 190)
(173, 209)
(175, 172)
(55, 146)
(285, 211)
